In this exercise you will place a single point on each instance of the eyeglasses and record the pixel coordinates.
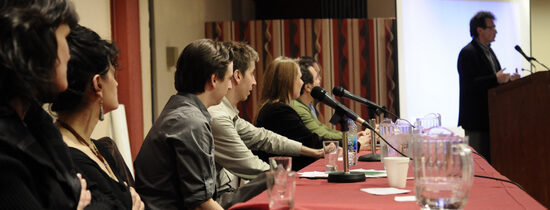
(490, 27)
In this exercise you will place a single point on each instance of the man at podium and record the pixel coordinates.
(479, 71)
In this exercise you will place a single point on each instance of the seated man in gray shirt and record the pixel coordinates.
(175, 166)
(235, 137)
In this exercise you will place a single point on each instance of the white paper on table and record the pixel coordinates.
(384, 191)
(369, 173)
(313, 174)
(405, 198)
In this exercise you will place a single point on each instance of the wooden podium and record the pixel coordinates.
(519, 116)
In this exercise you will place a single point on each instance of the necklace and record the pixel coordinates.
(92, 146)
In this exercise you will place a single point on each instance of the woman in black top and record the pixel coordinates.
(92, 92)
(35, 169)
(282, 84)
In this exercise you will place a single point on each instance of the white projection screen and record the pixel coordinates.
(430, 35)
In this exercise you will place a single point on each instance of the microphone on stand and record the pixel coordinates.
(518, 48)
(529, 59)
(321, 95)
(342, 92)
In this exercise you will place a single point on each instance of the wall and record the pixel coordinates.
(540, 31)
(177, 28)
(145, 65)
(96, 15)
(380, 8)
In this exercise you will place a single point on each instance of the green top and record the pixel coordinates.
(312, 123)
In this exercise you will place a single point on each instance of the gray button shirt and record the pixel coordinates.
(235, 137)
(175, 166)
(490, 56)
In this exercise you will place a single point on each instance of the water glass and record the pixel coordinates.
(280, 163)
(331, 155)
(281, 186)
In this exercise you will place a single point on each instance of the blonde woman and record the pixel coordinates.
(281, 84)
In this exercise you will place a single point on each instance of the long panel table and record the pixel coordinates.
(319, 194)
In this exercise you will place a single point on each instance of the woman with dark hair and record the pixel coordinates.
(92, 92)
(36, 171)
(282, 84)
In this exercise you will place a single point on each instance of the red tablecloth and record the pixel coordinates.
(319, 194)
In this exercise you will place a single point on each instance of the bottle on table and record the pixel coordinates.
(352, 142)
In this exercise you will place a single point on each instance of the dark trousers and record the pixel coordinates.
(243, 193)
(480, 141)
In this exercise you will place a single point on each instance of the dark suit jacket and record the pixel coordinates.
(35, 169)
(476, 78)
(282, 119)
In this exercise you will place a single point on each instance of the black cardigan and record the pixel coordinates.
(282, 119)
(106, 192)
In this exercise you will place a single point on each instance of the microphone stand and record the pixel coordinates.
(372, 157)
(542, 64)
(346, 176)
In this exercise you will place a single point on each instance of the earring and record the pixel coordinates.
(101, 118)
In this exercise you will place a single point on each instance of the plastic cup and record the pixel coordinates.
(396, 168)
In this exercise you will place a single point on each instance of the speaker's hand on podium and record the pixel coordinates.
(502, 77)
(515, 76)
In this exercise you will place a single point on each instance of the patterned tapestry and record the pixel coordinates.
(358, 54)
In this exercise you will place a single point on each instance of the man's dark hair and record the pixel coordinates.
(28, 47)
(479, 21)
(198, 62)
(90, 55)
(241, 54)
(305, 62)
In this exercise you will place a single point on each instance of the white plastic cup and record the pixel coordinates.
(396, 168)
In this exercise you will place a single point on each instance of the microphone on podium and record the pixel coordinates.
(518, 48)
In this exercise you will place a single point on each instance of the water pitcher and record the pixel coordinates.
(443, 169)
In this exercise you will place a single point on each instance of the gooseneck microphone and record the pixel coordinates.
(321, 95)
(342, 92)
(518, 48)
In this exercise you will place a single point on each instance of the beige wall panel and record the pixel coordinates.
(145, 65)
(96, 15)
(178, 23)
(540, 31)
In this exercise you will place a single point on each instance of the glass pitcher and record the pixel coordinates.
(398, 134)
(400, 138)
(443, 169)
(386, 131)
(429, 121)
